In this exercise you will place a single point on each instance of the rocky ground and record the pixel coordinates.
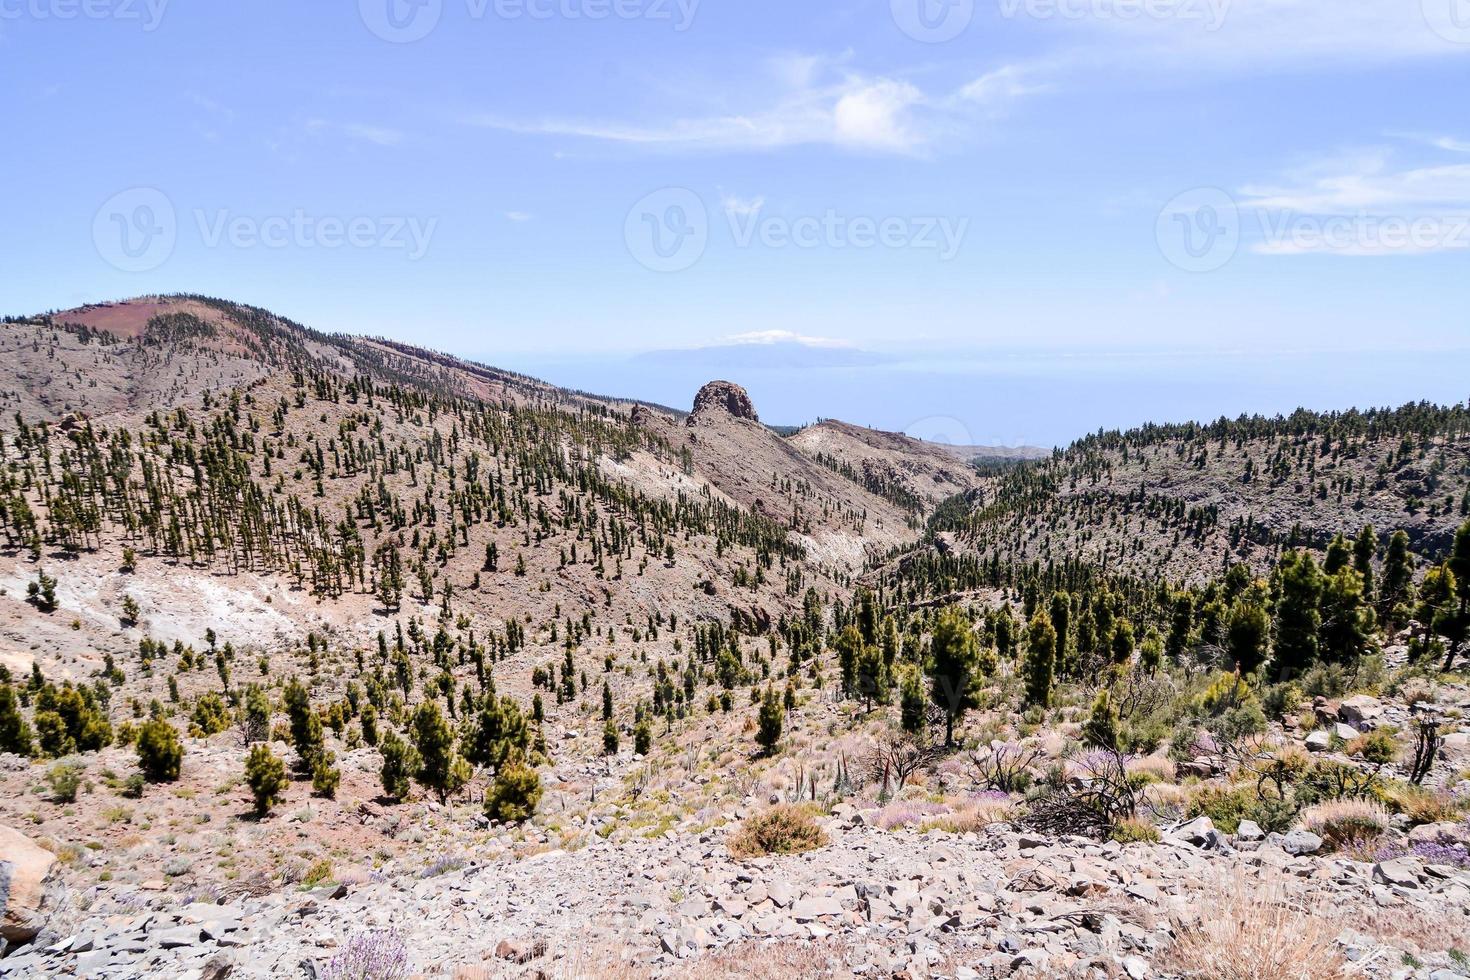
(995, 903)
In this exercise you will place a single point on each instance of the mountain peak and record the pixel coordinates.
(727, 397)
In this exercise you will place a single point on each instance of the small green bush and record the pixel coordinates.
(514, 794)
(65, 778)
(266, 775)
(159, 751)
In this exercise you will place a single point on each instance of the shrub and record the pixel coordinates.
(266, 775)
(210, 717)
(325, 777)
(65, 778)
(1377, 747)
(1420, 805)
(369, 956)
(1135, 831)
(974, 816)
(1344, 824)
(906, 813)
(514, 794)
(159, 751)
(783, 829)
(1225, 806)
(1280, 700)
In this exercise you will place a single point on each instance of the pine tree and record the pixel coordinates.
(911, 701)
(441, 767)
(849, 645)
(306, 726)
(772, 719)
(400, 762)
(1061, 618)
(954, 665)
(15, 734)
(1398, 580)
(159, 751)
(872, 676)
(609, 738)
(515, 792)
(1101, 728)
(1122, 642)
(266, 776)
(1041, 659)
(1247, 635)
(1347, 622)
(1365, 549)
(1298, 613)
(255, 715)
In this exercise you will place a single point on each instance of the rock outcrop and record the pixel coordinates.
(726, 397)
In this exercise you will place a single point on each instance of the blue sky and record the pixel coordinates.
(536, 178)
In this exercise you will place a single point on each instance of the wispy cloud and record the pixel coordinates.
(380, 135)
(517, 216)
(819, 101)
(1364, 204)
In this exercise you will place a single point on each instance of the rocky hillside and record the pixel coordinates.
(1186, 501)
(911, 474)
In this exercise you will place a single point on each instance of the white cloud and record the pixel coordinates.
(517, 216)
(876, 115)
(767, 337)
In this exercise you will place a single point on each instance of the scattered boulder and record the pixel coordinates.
(1360, 711)
(1298, 842)
(30, 886)
(1400, 872)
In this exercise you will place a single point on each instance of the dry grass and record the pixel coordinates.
(783, 829)
(1158, 767)
(1252, 931)
(1347, 823)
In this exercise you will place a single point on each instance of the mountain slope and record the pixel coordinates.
(1185, 501)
